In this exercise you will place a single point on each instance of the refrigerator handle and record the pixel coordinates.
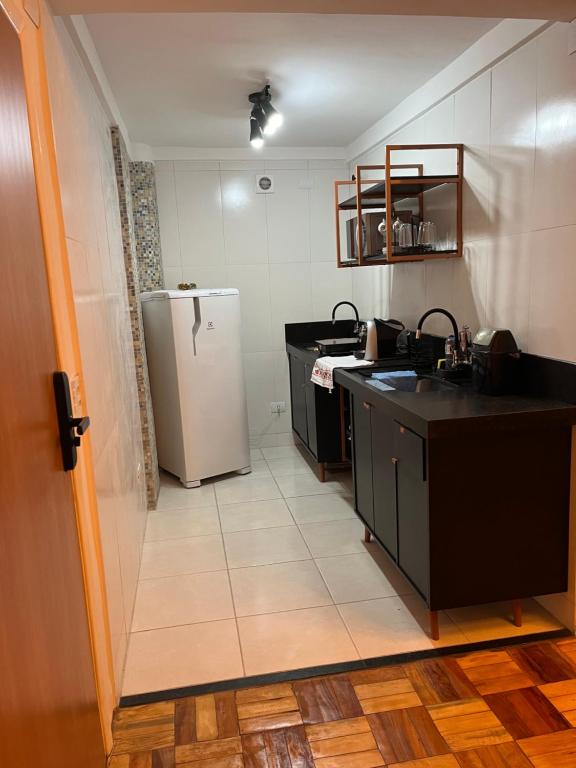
(197, 322)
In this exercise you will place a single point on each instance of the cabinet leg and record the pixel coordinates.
(367, 535)
(322, 473)
(434, 626)
(517, 612)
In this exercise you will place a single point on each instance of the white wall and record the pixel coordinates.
(278, 249)
(518, 122)
(94, 243)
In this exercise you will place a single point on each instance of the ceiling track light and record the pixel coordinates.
(264, 119)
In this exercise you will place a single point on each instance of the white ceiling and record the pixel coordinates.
(561, 10)
(183, 79)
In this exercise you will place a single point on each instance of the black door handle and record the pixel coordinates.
(71, 428)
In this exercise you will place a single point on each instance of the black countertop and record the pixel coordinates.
(458, 409)
(549, 391)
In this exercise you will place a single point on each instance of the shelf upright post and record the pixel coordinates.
(389, 207)
(359, 233)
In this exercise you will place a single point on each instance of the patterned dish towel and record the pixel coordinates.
(323, 372)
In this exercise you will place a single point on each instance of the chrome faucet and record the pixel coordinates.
(460, 348)
(349, 303)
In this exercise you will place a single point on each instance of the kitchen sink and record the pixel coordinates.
(408, 381)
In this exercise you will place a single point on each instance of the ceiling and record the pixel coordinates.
(562, 10)
(184, 79)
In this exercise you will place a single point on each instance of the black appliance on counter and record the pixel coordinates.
(387, 332)
(495, 359)
(381, 338)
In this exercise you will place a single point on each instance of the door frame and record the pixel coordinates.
(26, 18)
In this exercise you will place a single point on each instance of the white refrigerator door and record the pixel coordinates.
(211, 385)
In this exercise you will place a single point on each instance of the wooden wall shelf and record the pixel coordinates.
(364, 246)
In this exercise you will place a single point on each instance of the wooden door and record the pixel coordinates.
(48, 707)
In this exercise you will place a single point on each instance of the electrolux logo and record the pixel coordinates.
(210, 325)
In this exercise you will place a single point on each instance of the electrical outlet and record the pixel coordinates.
(279, 407)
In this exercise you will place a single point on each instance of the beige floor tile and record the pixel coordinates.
(177, 556)
(256, 454)
(173, 495)
(247, 488)
(280, 451)
(390, 569)
(265, 546)
(182, 523)
(276, 438)
(279, 587)
(351, 578)
(492, 621)
(289, 465)
(260, 468)
(338, 537)
(322, 508)
(391, 625)
(249, 515)
(186, 599)
(295, 639)
(307, 485)
(190, 655)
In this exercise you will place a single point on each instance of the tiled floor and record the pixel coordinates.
(512, 708)
(269, 572)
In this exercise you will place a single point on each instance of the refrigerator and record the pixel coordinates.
(197, 382)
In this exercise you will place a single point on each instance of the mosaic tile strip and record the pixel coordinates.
(146, 225)
(133, 281)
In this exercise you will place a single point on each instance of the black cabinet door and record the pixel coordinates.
(384, 481)
(362, 452)
(310, 392)
(412, 499)
(298, 397)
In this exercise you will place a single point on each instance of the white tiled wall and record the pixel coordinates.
(94, 245)
(278, 249)
(518, 122)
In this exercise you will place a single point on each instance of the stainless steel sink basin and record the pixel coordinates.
(408, 381)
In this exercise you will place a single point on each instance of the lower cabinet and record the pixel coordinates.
(316, 413)
(311, 423)
(412, 507)
(298, 397)
(390, 488)
(471, 516)
(362, 460)
(384, 482)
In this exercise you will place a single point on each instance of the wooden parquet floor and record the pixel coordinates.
(508, 708)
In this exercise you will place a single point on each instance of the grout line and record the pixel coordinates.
(183, 624)
(172, 575)
(231, 592)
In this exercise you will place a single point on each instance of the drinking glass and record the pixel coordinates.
(405, 239)
(427, 235)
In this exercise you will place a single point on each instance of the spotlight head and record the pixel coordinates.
(273, 118)
(256, 138)
(268, 118)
